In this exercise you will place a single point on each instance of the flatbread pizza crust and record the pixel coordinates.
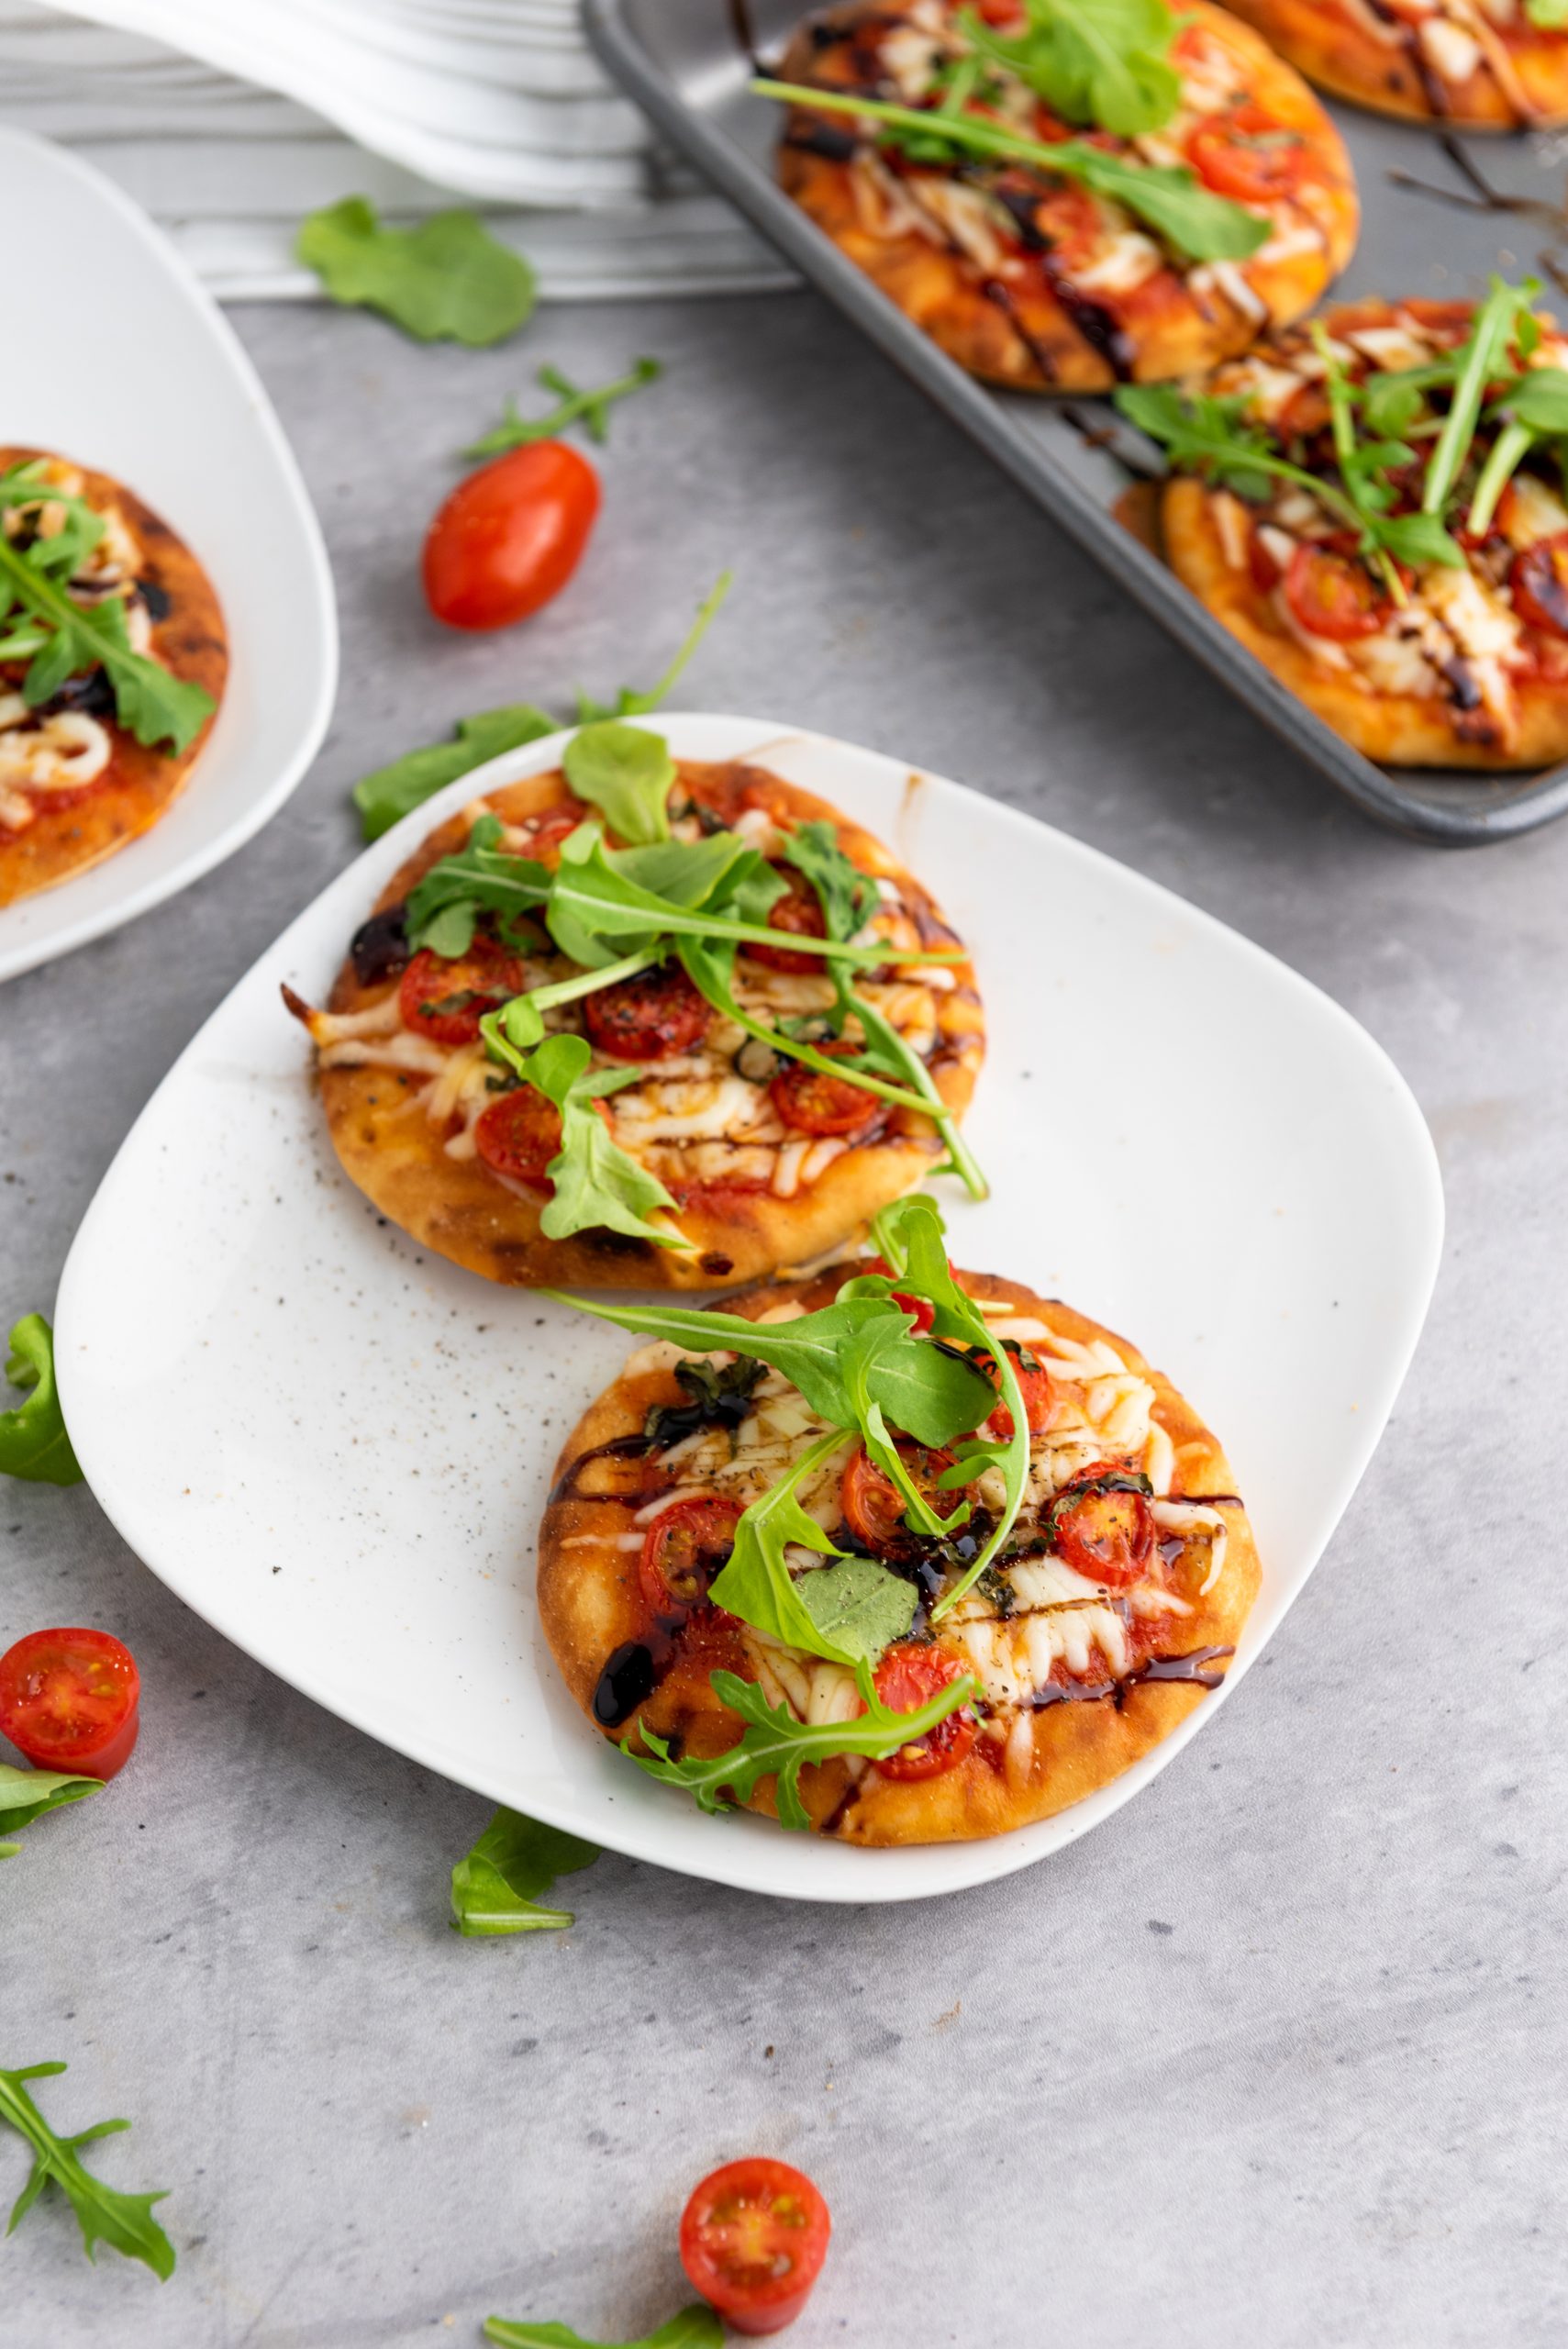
(591, 1604)
(78, 829)
(1519, 79)
(397, 1156)
(1035, 341)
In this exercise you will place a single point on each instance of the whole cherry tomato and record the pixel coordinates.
(510, 536)
(753, 2238)
(69, 1702)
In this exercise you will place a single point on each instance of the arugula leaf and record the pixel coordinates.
(1477, 363)
(1548, 16)
(860, 1607)
(1103, 61)
(449, 279)
(755, 1582)
(848, 896)
(697, 2327)
(628, 704)
(598, 1185)
(125, 2221)
(33, 1442)
(514, 431)
(390, 793)
(26, 1795)
(1539, 399)
(150, 702)
(861, 1356)
(480, 878)
(627, 774)
(1168, 198)
(495, 1888)
(776, 1746)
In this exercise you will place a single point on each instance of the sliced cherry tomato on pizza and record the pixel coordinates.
(1333, 595)
(547, 829)
(1539, 578)
(519, 1135)
(510, 536)
(874, 1506)
(1105, 1534)
(909, 1677)
(683, 1549)
(1067, 214)
(814, 1103)
(1038, 1394)
(446, 1000)
(798, 913)
(650, 1017)
(69, 1699)
(753, 2238)
(1248, 155)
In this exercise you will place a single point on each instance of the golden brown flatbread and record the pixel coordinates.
(1476, 67)
(1022, 277)
(47, 834)
(1080, 1677)
(754, 1190)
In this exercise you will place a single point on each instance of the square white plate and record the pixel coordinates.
(335, 1447)
(125, 364)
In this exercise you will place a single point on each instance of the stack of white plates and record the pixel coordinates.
(231, 119)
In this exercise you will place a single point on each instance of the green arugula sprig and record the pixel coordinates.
(1168, 198)
(515, 431)
(596, 1185)
(33, 1442)
(125, 2221)
(447, 280)
(1101, 61)
(697, 2327)
(26, 1795)
(497, 1887)
(776, 1746)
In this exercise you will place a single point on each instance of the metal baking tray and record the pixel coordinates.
(1487, 204)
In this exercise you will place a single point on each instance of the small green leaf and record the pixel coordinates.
(149, 702)
(1548, 16)
(756, 1584)
(626, 772)
(449, 279)
(859, 1608)
(1100, 61)
(26, 1795)
(495, 1888)
(515, 432)
(697, 2327)
(598, 1186)
(33, 1442)
(389, 794)
(1539, 399)
(125, 2221)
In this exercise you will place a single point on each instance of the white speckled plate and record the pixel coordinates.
(180, 417)
(335, 1447)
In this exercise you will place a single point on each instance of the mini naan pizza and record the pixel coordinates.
(1474, 64)
(1425, 619)
(112, 659)
(1046, 280)
(660, 1135)
(1111, 1607)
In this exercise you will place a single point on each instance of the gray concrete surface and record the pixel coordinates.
(1273, 2058)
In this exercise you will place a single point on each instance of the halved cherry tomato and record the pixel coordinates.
(1068, 216)
(814, 1103)
(872, 1505)
(924, 1311)
(650, 1017)
(753, 2238)
(684, 1547)
(1249, 155)
(909, 1677)
(1107, 1536)
(546, 832)
(1038, 1394)
(69, 1700)
(519, 1135)
(1333, 595)
(445, 1000)
(510, 536)
(1539, 578)
(800, 914)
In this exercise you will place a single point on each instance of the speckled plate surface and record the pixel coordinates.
(336, 1447)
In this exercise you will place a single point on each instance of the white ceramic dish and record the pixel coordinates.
(127, 366)
(336, 1448)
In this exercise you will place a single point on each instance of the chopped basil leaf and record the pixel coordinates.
(125, 2221)
(496, 1889)
(33, 1442)
(449, 279)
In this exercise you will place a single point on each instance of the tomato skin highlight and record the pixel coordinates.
(1539, 580)
(909, 1677)
(813, 1103)
(674, 1566)
(70, 1700)
(1333, 597)
(753, 2238)
(650, 1017)
(486, 974)
(510, 536)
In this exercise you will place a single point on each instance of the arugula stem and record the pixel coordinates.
(1483, 352)
(1509, 450)
(515, 432)
(966, 1167)
(1344, 431)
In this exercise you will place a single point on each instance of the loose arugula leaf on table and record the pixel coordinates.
(598, 1185)
(776, 1745)
(125, 2221)
(627, 774)
(496, 1887)
(34, 1445)
(1169, 198)
(697, 2327)
(1101, 61)
(26, 1795)
(389, 794)
(755, 1582)
(630, 704)
(447, 280)
(515, 430)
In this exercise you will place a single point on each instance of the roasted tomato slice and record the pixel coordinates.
(545, 831)
(69, 1702)
(1038, 1394)
(909, 1677)
(753, 2238)
(683, 1549)
(446, 1000)
(650, 1017)
(510, 536)
(1109, 1536)
(813, 1103)
(798, 913)
(1539, 578)
(519, 1135)
(872, 1502)
(1333, 595)
(1248, 155)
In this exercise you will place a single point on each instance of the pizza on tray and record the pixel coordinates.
(1374, 505)
(112, 659)
(1061, 203)
(800, 1555)
(1474, 64)
(647, 1023)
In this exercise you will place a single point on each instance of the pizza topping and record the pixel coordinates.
(683, 1549)
(909, 1677)
(650, 1017)
(815, 1103)
(446, 999)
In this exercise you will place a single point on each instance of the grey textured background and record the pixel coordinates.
(1276, 2055)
